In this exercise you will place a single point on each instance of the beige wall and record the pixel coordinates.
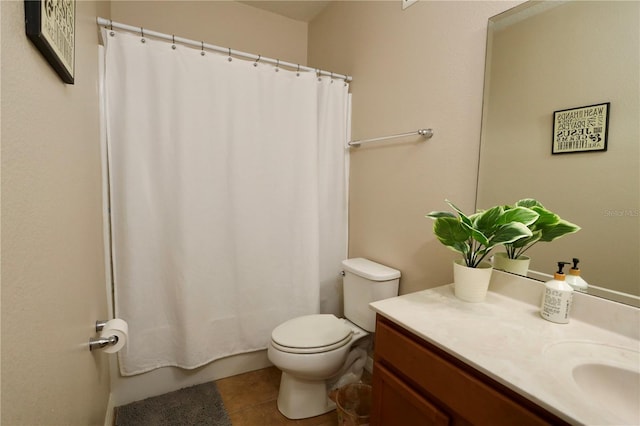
(52, 268)
(421, 67)
(53, 283)
(223, 23)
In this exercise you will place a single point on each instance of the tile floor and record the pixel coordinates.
(250, 400)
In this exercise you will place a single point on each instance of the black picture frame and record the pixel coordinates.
(50, 25)
(581, 129)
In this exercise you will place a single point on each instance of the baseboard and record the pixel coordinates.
(109, 419)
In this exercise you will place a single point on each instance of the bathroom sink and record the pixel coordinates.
(616, 388)
(606, 375)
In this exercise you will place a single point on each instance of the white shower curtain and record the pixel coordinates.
(228, 199)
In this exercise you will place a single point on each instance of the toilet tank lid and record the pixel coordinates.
(370, 270)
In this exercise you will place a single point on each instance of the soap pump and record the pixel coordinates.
(574, 279)
(556, 301)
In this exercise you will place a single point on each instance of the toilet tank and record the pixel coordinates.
(365, 282)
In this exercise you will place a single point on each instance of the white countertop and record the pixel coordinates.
(505, 338)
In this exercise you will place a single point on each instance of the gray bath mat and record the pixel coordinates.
(196, 405)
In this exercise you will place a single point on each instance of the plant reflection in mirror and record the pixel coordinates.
(548, 227)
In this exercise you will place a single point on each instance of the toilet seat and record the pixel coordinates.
(314, 350)
(311, 334)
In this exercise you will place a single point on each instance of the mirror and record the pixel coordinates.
(548, 56)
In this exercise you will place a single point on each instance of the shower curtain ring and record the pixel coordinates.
(298, 71)
(111, 32)
(277, 65)
(202, 48)
(173, 40)
(142, 34)
(318, 75)
(331, 76)
(255, 64)
(230, 58)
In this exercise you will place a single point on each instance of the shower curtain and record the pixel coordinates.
(228, 199)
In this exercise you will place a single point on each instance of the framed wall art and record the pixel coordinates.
(582, 129)
(50, 25)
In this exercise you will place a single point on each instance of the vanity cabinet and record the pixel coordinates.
(416, 383)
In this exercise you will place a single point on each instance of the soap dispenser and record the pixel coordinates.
(574, 279)
(556, 300)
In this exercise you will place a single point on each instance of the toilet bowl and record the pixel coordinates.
(312, 350)
(308, 360)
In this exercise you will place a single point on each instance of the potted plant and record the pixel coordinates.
(474, 236)
(548, 227)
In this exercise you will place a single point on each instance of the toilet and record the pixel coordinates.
(312, 350)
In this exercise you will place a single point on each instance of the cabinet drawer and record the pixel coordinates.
(467, 392)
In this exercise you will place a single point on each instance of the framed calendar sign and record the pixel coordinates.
(50, 25)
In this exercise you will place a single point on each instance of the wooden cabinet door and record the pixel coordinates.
(395, 403)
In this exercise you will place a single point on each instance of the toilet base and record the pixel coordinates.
(300, 398)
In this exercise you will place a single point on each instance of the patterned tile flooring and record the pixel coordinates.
(250, 400)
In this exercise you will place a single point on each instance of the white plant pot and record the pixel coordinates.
(471, 284)
(518, 266)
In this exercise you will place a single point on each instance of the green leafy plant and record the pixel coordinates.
(548, 227)
(475, 235)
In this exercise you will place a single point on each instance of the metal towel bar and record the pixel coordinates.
(427, 133)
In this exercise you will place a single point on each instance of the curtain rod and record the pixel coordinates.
(427, 133)
(108, 23)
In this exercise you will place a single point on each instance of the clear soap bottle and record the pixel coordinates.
(557, 297)
(574, 279)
